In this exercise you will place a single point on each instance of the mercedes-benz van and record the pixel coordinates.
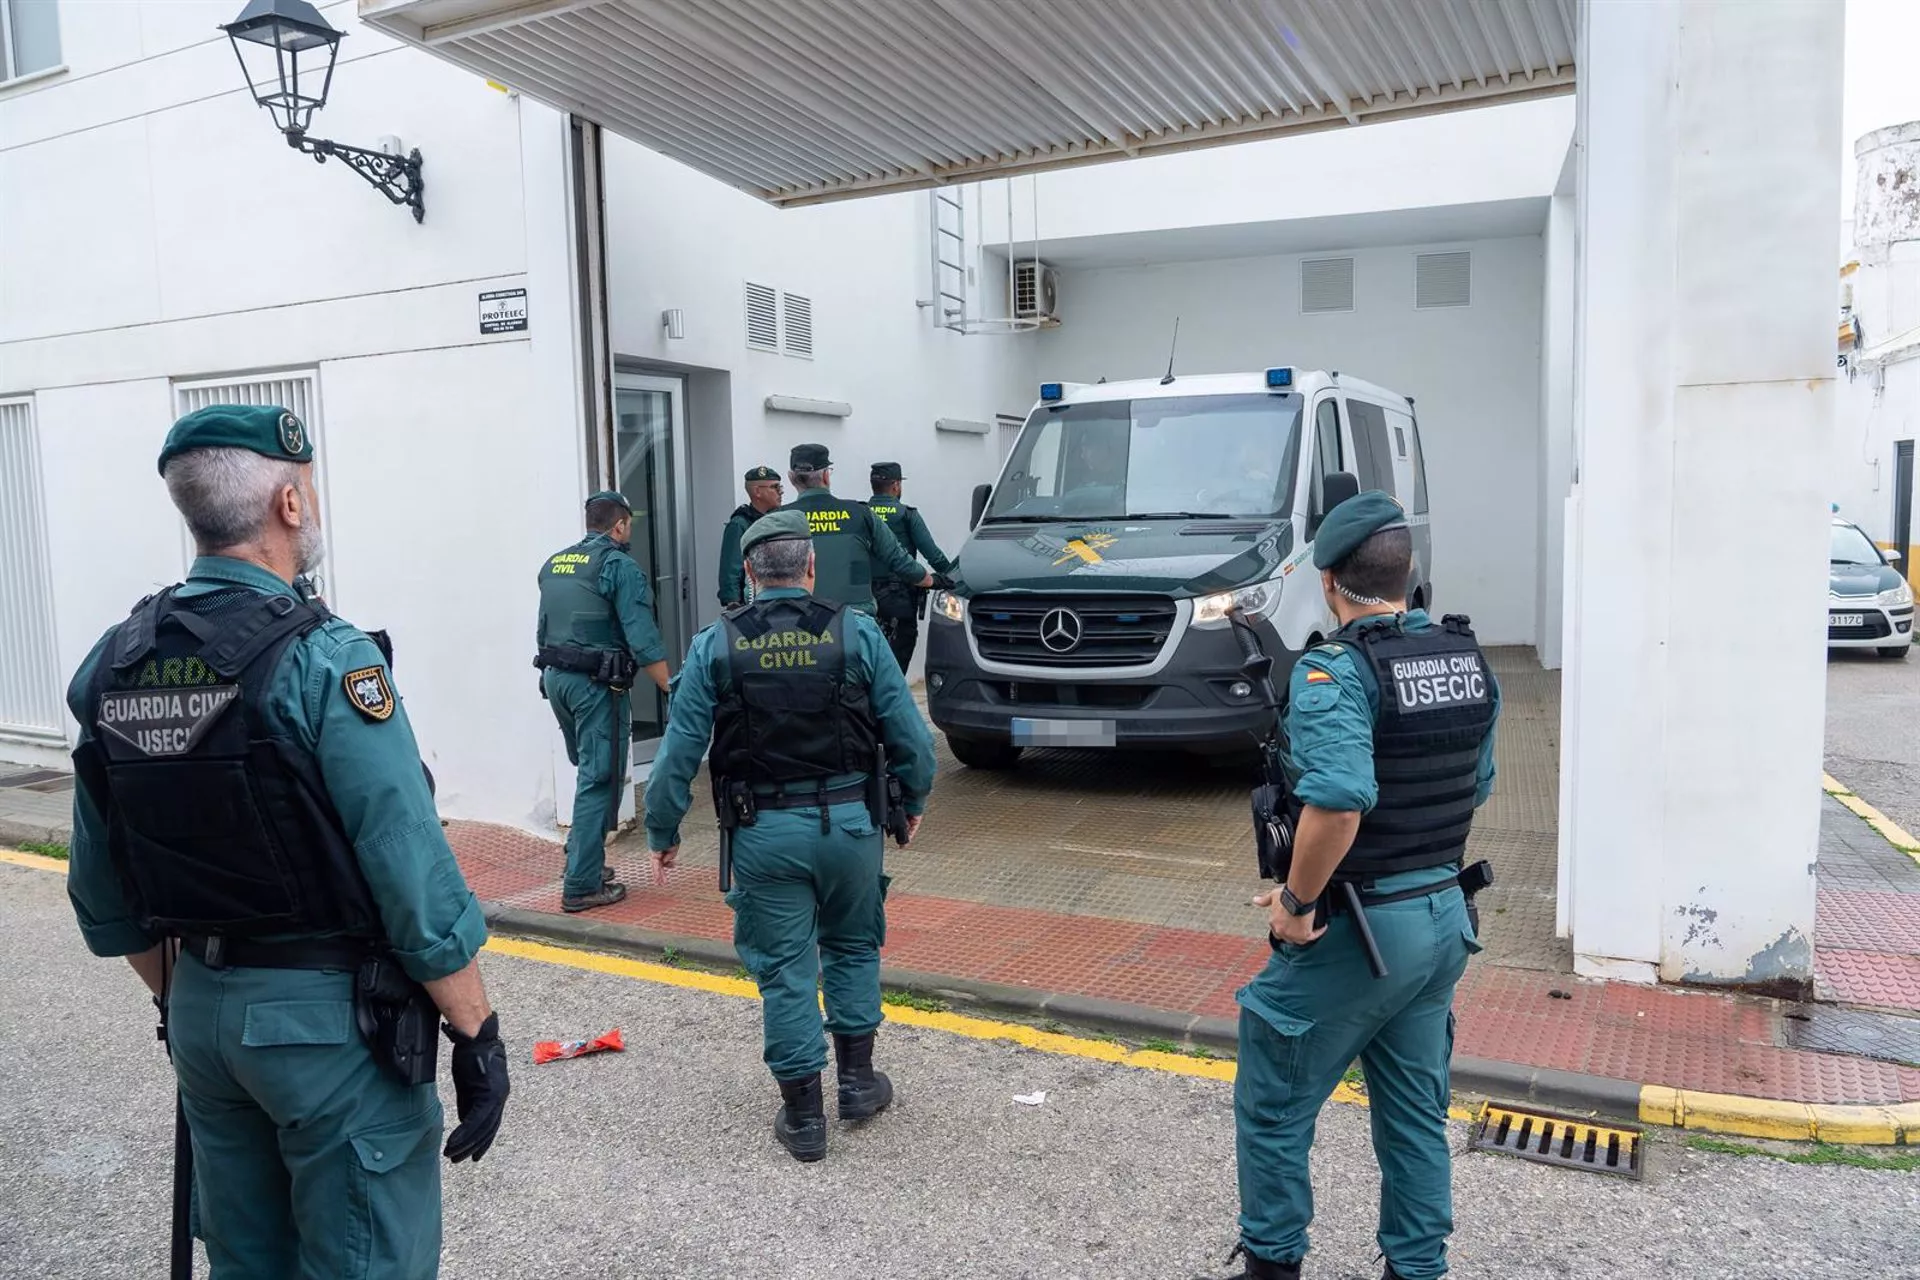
(1129, 518)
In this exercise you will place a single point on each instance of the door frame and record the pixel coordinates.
(674, 386)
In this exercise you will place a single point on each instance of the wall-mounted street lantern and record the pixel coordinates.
(293, 49)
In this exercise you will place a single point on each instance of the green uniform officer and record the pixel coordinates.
(898, 604)
(851, 544)
(763, 495)
(1387, 751)
(252, 830)
(596, 631)
(797, 694)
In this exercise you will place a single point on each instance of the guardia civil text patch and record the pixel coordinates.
(368, 691)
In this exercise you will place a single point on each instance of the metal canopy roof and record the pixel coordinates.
(800, 101)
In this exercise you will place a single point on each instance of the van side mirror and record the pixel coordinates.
(1890, 554)
(982, 493)
(1338, 487)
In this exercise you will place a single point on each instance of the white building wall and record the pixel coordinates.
(1473, 372)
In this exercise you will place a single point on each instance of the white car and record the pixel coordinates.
(1869, 605)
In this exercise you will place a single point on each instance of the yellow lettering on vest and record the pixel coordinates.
(170, 672)
(149, 675)
(825, 637)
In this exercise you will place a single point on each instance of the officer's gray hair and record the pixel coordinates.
(810, 479)
(780, 562)
(225, 495)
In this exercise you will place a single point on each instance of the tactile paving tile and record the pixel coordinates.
(1867, 978)
(1886, 1036)
(1888, 923)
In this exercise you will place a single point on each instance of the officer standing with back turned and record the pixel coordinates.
(897, 603)
(596, 632)
(850, 542)
(253, 832)
(1387, 749)
(801, 698)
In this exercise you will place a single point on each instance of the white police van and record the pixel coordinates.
(1129, 519)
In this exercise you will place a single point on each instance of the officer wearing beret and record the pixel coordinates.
(798, 695)
(763, 495)
(1387, 748)
(596, 630)
(852, 544)
(897, 603)
(252, 830)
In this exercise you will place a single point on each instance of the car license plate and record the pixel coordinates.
(1062, 733)
(1846, 619)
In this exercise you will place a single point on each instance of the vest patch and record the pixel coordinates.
(1422, 685)
(163, 724)
(368, 691)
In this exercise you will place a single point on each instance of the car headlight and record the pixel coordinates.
(947, 605)
(1256, 600)
(1898, 597)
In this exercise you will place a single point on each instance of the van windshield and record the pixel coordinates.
(1184, 456)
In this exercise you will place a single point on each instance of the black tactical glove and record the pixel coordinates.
(943, 582)
(479, 1089)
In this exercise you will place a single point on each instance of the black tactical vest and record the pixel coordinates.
(786, 712)
(215, 826)
(1436, 709)
(572, 610)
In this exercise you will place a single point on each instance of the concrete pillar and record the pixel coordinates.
(1704, 378)
(1556, 417)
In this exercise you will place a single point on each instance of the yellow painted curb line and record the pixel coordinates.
(34, 860)
(1889, 830)
(1894, 1125)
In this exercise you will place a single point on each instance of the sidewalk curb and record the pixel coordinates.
(1893, 1124)
(14, 832)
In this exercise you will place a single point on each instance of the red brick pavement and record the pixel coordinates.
(1685, 1039)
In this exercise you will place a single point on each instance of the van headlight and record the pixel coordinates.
(1257, 600)
(1898, 597)
(947, 605)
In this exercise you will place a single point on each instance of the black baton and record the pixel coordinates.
(726, 859)
(1359, 914)
(182, 1266)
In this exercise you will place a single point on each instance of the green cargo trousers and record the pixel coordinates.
(597, 724)
(1303, 1019)
(809, 916)
(309, 1161)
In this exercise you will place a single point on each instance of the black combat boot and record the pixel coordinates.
(801, 1125)
(864, 1092)
(1258, 1268)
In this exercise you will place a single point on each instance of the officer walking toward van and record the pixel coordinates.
(899, 605)
(252, 830)
(851, 544)
(818, 753)
(596, 631)
(1387, 749)
(763, 495)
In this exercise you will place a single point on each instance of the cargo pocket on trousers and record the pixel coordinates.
(393, 1196)
(1281, 1042)
(751, 957)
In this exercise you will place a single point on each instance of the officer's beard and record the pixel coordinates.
(311, 547)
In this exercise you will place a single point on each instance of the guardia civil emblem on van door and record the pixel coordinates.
(368, 691)
(293, 432)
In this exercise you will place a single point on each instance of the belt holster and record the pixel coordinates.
(398, 1020)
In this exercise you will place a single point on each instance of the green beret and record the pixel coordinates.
(773, 526)
(610, 495)
(1352, 523)
(762, 473)
(887, 472)
(265, 429)
(809, 457)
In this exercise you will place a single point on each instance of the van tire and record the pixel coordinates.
(1894, 652)
(984, 753)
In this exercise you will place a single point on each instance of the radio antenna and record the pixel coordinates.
(1171, 348)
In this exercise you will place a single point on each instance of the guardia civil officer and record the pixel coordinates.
(246, 783)
(596, 631)
(798, 694)
(763, 495)
(1387, 749)
(852, 544)
(897, 604)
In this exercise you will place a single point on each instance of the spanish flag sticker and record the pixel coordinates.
(1318, 677)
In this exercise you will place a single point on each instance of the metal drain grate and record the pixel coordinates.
(31, 778)
(1558, 1140)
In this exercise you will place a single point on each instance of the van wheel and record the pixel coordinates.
(984, 753)
(1895, 652)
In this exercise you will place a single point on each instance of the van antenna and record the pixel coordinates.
(1171, 348)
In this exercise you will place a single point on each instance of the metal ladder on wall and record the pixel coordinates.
(948, 225)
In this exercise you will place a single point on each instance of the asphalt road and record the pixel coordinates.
(660, 1163)
(1873, 731)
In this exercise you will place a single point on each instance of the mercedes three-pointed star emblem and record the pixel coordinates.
(1060, 630)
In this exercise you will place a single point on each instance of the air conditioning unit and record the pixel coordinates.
(1036, 291)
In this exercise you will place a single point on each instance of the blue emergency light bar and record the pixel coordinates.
(1051, 391)
(1280, 379)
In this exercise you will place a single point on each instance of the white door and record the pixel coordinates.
(650, 456)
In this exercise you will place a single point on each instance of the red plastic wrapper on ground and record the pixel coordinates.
(555, 1050)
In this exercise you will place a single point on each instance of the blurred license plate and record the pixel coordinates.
(1846, 619)
(1062, 733)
